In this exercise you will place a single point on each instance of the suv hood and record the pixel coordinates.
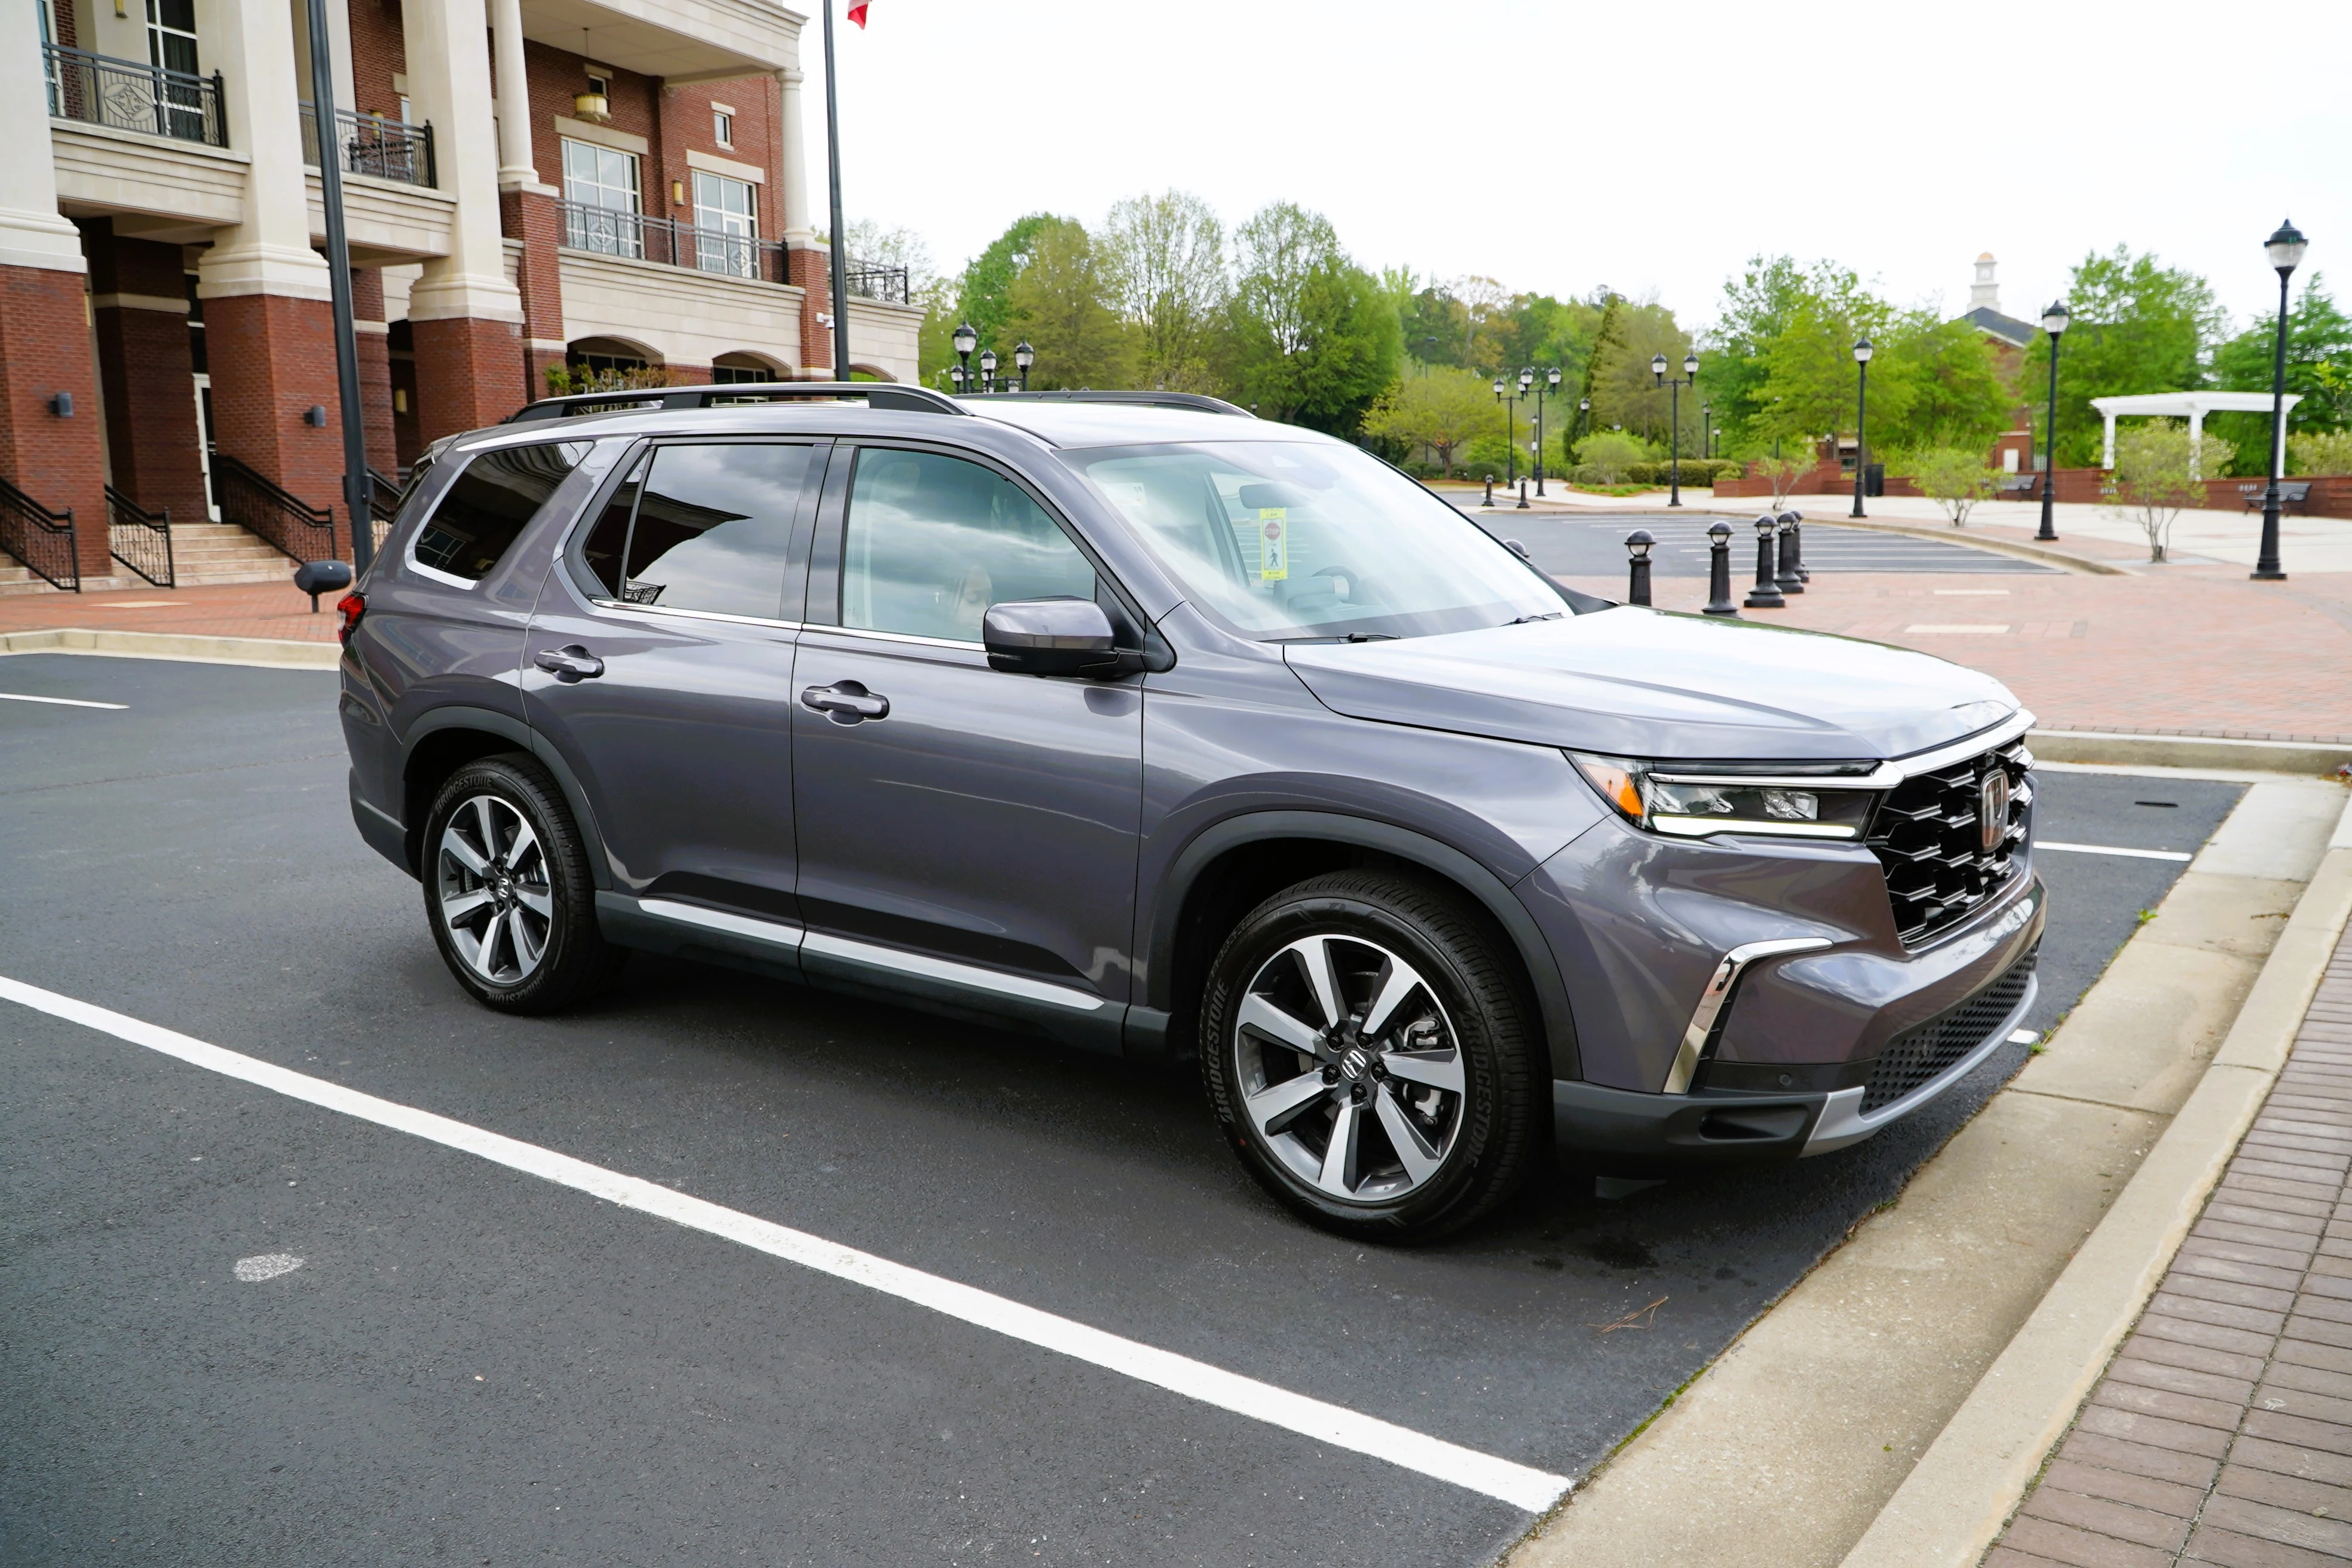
(1636, 682)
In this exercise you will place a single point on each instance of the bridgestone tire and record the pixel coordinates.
(549, 895)
(1485, 1138)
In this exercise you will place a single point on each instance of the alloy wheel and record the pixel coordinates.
(1348, 1069)
(492, 881)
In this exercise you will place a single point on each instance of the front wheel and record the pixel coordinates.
(508, 890)
(1365, 1049)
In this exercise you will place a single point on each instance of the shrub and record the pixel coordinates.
(1953, 478)
(2313, 452)
(564, 380)
(2152, 479)
(1610, 454)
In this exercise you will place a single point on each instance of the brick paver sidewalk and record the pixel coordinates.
(2223, 1432)
(223, 610)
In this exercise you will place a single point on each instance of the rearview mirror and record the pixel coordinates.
(1050, 637)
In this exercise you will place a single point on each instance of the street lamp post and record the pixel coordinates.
(955, 375)
(2285, 248)
(965, 340)
(1510, 431)
(987, 370)
(1548, 387)
(2054, 322)
(1706, 429)
(1024, 356)
(1862, 353)
(1689, 377)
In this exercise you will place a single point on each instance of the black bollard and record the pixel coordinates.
(1523, 496)
(1793, 522)
(1785, 576)
(1637, 550)
(1719, 572)
(1766, 594)
(1489, 501)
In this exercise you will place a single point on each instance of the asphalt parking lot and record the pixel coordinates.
(473, 1364)
(1582, 545)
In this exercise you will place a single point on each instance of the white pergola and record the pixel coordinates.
(2190, 405)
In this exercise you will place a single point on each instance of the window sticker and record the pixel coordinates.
(1273, 543)
(1130, 499)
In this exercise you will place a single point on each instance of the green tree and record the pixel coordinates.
(1314, 338)
(1444, 411)
(1811, 383)
(2320, 452)
(2318, 365)
(2138, 327)
(985, 293)
(1057, 302)
(1164, 257)
(1759, 307)
(2154, 478)
(1953, 392)
(1624, 390)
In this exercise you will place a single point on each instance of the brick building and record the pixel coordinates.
(527, 183)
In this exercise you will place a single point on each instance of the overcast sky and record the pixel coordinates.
(1651, 147)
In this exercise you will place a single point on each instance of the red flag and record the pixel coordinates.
(857, 11)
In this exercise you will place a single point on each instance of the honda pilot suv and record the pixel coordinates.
(1170, 732)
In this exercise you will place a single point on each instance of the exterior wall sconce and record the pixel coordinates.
(61, 404)
(315, 417)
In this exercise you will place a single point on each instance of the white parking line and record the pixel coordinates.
(61, 701)
(1518, 1484)
(2111, 849)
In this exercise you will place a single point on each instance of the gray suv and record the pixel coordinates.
(1165, 732)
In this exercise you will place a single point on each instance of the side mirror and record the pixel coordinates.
(1051, 636)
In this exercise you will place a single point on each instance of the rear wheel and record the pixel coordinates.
(508, 890)
(1365, 1049)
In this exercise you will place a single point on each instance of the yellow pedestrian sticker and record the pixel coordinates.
(1273, 543)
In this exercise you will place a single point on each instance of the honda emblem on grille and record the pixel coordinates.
(1992, 809)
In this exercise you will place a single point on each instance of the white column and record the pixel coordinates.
(270, 252)
(516, 160)
(2197, 441)
(794, 173)
(31, 232)
(2110, 461)
(449, 88)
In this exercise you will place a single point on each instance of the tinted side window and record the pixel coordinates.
(932, 540)
(601, 549)
(713, 527)
(489, 505)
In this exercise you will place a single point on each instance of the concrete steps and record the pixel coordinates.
(202, 552)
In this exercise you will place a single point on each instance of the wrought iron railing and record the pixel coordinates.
(298, 530)
(609, 231)
(140, 538)
(43, 539)
(383, 505)
(126, 95)
(371, 144)
(885, 283)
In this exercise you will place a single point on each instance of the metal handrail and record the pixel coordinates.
(611, 231)
(888, 284)
(130, 95)
(372, 144)
(43, 539)
(296, 529)
(134, 536)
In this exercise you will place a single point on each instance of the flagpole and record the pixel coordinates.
(838, 259)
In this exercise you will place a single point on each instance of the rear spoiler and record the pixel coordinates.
(873, 393)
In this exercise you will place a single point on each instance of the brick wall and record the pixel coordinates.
(372, 338)
(809, 268)
(557, 76)
(273, 358)
(468, 375)
(145, 368)
(45, 350)
(379, 52)
(686, 126)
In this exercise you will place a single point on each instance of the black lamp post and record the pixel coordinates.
(1766, 594)
(1583, 417)
(2054, 322)
(965, 340)
(1024, 356)
(1548, 387)
(1706, 429)
(1689, 377)
(1719, 572)
(2286, 248)
(1862, 353)
(955, 375)
(987, 370)
(1510, 431)
(1637, 554)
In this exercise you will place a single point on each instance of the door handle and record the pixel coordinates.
(568, 664)
(846, 702)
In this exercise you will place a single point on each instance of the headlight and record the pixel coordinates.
(1782, 800)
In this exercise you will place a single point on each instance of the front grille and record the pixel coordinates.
(1929, 838)
(1915, 1058)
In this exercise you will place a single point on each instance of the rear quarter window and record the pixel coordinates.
(487, 505)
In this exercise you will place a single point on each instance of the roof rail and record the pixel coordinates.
(876, 393)
(1195, 400)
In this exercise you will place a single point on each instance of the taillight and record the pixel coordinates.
(351, 607)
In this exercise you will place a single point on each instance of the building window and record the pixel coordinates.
(601, 85)
(727, 224)
(722, 126)
(172, 46)
(600, 196)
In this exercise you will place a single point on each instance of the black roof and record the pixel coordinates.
(2007, 328)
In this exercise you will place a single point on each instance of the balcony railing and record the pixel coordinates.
(609, 231)
(386, 149)
(885, 283)
(128, 96)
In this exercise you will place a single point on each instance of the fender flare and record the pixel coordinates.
(1492, 892)
(506, 726)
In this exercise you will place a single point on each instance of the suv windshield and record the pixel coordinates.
(1288, 539)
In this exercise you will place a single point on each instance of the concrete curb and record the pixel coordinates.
(1951, 1507)
(2308, 758)
(267, 653)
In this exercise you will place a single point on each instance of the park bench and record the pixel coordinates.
(2292, 492)
(2016, 484)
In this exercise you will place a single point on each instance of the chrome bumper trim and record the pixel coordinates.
(1711, 1002)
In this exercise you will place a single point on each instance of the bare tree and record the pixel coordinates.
(1164, 258)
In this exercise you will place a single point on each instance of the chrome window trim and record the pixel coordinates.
(903, 637)
(435, 573)
(680, 613)
(1718, 991)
